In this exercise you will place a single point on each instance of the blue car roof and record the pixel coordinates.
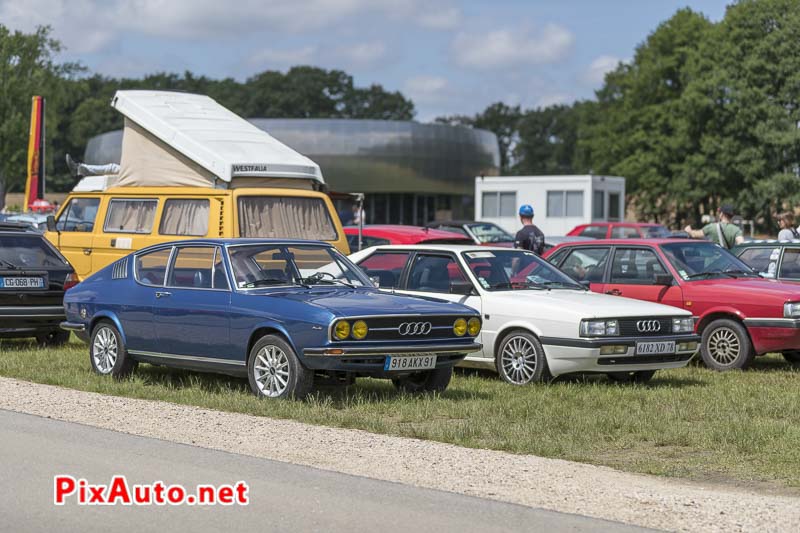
(230, 241)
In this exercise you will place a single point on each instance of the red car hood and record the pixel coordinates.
(749, 290)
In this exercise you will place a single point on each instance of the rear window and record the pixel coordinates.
(285, 218)
(28, 251)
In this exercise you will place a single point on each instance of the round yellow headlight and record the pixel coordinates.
(360, 330)
(341, 330)
(460, 327)
(473, 327)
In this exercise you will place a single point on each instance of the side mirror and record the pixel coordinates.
(51, 223)
(375, 281)
(663, 279)
(462, 287)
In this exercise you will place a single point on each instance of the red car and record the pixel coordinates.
(739, 314)
(380, 234)
(621, 230)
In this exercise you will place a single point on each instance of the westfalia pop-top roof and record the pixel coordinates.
(211, 136)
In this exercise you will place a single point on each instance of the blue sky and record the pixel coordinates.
(450, 57)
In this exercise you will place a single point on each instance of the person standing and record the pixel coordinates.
(725, 232)
(529, 237)
(786, 223)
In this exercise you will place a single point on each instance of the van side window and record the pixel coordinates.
(130, 216)
(152, 267)
(184, 217)
(79, 215)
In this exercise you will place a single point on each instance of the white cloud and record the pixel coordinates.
(507, 47)
(546, 100)
(363, 54)
(272, 57)
(445, 18)
(595, 74)
(425, 88)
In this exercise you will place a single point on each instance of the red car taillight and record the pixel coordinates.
(70, 281)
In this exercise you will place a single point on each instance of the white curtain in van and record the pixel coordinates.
(130, 216)
(185, 217)
(285, 218)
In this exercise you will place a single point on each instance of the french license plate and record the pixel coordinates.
(655, 348)
(423, 361)
(15, 282)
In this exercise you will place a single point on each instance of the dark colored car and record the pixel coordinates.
(483, 233)
(278, 312)
(771, 258)
(382, 234)
(33, 278)
(739, 313)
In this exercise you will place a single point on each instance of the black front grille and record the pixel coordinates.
(628, 327)
(416, 328)
(643, 359)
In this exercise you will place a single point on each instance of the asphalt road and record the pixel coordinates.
(283, 497)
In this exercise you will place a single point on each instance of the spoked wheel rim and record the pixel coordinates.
(271, 370)
(519, 360)
(105, 350)
(724, 346)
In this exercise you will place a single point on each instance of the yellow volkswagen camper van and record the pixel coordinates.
(191, 168)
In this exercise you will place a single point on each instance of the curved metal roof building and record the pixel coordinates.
(411, 172)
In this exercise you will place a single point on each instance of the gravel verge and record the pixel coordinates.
(523, 479)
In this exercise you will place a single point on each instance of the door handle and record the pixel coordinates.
(614, 292)
(87, 251)
(162, 294)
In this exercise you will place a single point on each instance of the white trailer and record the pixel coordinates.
(559, 202)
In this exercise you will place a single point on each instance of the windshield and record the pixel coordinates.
(516, 270)
(263, 265)
(27, 251)
(701, 260)
(490, 233)
(657, 232)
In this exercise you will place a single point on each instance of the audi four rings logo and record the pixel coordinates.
(414, 328)
(648, 326)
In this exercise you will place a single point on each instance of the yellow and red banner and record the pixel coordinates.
(34, 186)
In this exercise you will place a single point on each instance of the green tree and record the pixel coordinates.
(27, 68)
(548, 139)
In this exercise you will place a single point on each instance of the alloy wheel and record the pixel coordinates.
(519, 360)
(105, 350)
(724, 346)
(271, 371)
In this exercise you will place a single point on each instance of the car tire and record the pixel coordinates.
(640, 376)
(435, 380)
(56, 337)
(520, 359)
(792, 357)
(274, 370)
(726, 346)
(107, 353)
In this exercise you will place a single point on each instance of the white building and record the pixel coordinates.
(559, 202)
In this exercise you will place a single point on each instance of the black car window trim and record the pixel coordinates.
(174, 255)
(449, 255)
(148, 252)
(635, 247)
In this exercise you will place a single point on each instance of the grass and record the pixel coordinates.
(739, 428)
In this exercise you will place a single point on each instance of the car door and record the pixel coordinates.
(587, 264)
(149, 271)
(440, 275)
(75, 233)
(638, 272)
(192, 311)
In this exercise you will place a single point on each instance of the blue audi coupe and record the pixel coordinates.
(279, 312)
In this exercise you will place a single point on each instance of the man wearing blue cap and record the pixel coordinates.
(529, 237)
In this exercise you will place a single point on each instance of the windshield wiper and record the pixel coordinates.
(563, 284)
(265, 281)
(319, 277)
(717, 273)
(744, 273)
(9, 264)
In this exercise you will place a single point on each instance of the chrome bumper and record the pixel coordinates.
(393, 350)
(72, 326)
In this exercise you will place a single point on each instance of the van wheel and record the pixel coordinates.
(435, 380)
(107, 353)
(726, 346)
(520, 359)
(640, 376)
(274, 371)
